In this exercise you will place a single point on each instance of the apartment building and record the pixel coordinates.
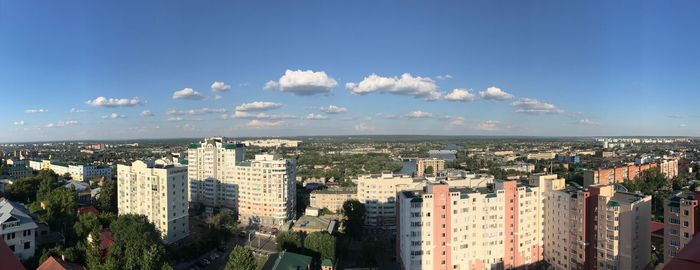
(615, 174)
(18, 229)
(541, 155)
(79, 172)
(378, 192)
(261, 190)
(157, 190)
(681, 222)
(211, 175)
(463, 228)
(331, 198)
(514, 224)
(423, 163)
(621, 222)
(266, 190)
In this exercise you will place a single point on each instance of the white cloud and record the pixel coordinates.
(19, 123)
(332, 109)
(683, 125)
(495, 93)
(264, 124)
(74, 110)
(363, 127)
(199, 111)
(63, 124)
(407, 85)
(146, 113)
(419, 114)
(246, 115)
(461, 94)
(258, 106)
(678, 116)
(187, 93)
(586, 121)
(444, 77)
(457, 121)
(530, 105)
(217, 97)
(175, 119)
(489, 125)
(114, 116)
(220, 87)
(36, 110)
(114, 102)
(303, 83)
(312, 116)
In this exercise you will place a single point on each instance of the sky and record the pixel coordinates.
(79, 70)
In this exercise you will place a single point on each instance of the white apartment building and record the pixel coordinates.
(261, 190)
(18, 229)
(211, 165)
(79, 172)
(378, 192)
(157, 190)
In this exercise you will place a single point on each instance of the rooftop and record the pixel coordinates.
(287, 261)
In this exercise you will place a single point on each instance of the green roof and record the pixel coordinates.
(286, 261)
(183, 162)
(491, 195)
(326, 262)
(193, 146)
(464, 196)
(229, 146)
(527, 189)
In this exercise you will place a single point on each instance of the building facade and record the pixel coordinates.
(378, 193)
(515, 224)
(18, 229)
(157, 190)
(80, 172)
(211, 175)
(332, 199)
(681, 222)
(266, 190)
(423, 164)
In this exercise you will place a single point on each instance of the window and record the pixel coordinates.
(27, 245)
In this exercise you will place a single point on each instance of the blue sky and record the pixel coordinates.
(543, 68)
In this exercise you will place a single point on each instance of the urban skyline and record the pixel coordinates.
(178, 69)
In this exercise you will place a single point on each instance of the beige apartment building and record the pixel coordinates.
(622, 236)
(378, 192)
(157, 190)
(211, 176)
(681, 217)
(423, 163)
(332, 198)
(266, 190)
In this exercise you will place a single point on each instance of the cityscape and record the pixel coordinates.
(363, 135)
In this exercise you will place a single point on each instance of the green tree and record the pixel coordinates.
(223, 224)
(429, 170)
(354, 217)
(86, 224)
(241, 258)
(321, 244)
(107, 198)
(137, 245)
(288, 240)
(59, 209)
(369, 255)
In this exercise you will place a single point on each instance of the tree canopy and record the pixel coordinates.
(289, 240)
(322, 245)
(241, 258)
(354, 217)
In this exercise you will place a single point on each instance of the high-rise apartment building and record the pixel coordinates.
(211, 165)
(261, 190)
(515, 224)
(157, 190)
(681, 222)
(266, 189)
(622, 234)
(378, 193)
(422, 164)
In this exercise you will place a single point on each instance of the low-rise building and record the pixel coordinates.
(423, 164)
(378, 192)
(17, 228)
